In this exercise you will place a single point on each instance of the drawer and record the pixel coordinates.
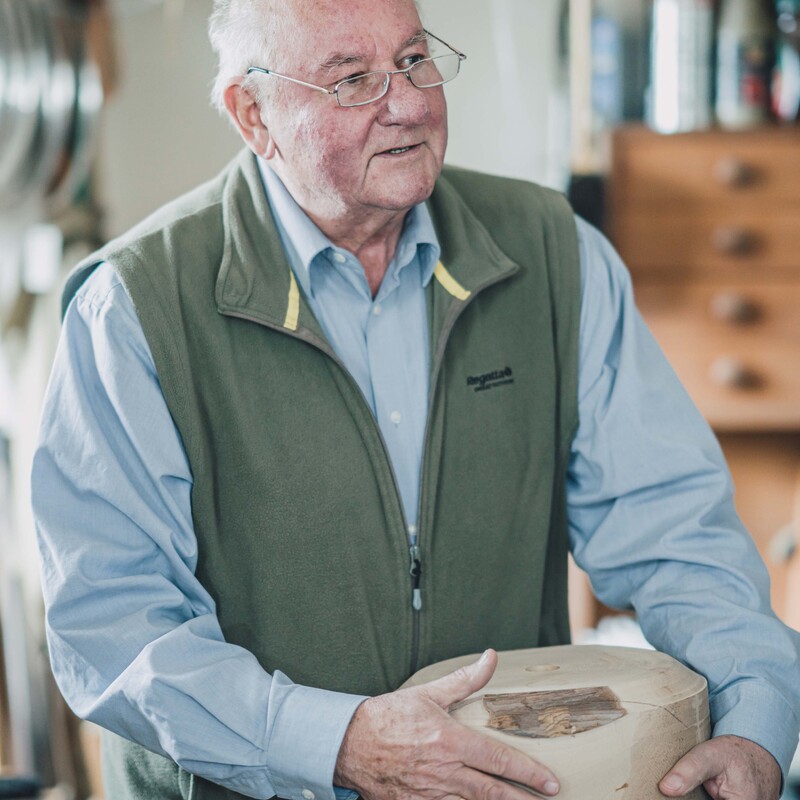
(687, 171)
(735, 347)
(725, 244)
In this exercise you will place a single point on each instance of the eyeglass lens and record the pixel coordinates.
(424, 75)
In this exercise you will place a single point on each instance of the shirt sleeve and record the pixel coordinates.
(134, 640)
(652, 519)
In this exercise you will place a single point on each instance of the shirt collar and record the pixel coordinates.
(304, 242)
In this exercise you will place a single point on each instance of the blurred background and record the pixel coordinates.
(670, 124)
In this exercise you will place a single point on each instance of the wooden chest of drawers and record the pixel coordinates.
(709, 225)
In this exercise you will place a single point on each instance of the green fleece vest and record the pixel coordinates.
(302, 538)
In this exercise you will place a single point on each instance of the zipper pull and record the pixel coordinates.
(415, 571)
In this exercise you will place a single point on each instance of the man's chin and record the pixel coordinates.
(402, 203)
(402, 192)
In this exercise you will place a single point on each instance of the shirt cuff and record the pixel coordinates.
(760, 714)
(304, 739)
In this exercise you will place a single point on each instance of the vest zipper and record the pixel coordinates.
(415, 551)
(415, 571)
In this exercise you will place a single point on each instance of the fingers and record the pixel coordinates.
(728, 766)
(497, 759)
(405, 745)
(488, 757)
(700, 764)
(463, 682)
(484, 787)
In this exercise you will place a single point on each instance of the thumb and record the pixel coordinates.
(463, 682)
(699, 765)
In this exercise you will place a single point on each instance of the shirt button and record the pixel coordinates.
(339, 258)
(396, 417)
(308, 794)
(412, 530)
(377, 309)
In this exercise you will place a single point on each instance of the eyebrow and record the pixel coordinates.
(341, 59)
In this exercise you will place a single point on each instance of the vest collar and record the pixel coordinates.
(256, 281)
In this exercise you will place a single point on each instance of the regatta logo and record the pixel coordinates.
(491, 380)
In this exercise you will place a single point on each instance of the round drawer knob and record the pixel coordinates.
(732, 373)
(733, 172)
(733, 241)
(733, 308)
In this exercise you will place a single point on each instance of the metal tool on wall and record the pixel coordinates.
(50, 98)
(56, 67)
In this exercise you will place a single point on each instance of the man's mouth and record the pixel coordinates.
(399, 151)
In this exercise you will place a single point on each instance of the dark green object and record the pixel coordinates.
(302, 540)
(19, 788)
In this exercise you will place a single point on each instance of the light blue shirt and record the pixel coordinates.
(134, 639)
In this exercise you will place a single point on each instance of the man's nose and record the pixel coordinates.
(404, 102)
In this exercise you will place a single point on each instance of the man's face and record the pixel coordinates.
(335, 160)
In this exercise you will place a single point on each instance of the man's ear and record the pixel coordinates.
(245, 113)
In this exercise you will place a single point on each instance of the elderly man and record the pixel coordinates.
(339, 414)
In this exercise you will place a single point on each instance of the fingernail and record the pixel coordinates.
(551, 787)
(673, 783)
(484, 658)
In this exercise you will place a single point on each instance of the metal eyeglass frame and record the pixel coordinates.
(387, 72)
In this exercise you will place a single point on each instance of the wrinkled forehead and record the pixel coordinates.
(315, 32)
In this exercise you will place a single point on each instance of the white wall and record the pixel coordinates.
(161, 137)
(505, 116)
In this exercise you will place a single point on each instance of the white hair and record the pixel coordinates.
(242, 34)
(245, 33)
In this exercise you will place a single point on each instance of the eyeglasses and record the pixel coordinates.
(371, 86)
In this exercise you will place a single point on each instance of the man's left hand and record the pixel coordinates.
(729, 768)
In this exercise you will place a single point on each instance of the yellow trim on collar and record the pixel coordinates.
(449, 283)
(293, 309)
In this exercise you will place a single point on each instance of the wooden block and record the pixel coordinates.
(609, 721)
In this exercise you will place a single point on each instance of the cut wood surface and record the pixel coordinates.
(609, 721)
(544, 715)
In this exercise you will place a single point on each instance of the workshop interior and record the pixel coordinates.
(645, 113)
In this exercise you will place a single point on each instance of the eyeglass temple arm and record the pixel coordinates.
(461, 55)
(286, 77)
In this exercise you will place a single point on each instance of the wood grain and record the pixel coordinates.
(545, 715)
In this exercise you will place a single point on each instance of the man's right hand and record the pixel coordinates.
(405, 746)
